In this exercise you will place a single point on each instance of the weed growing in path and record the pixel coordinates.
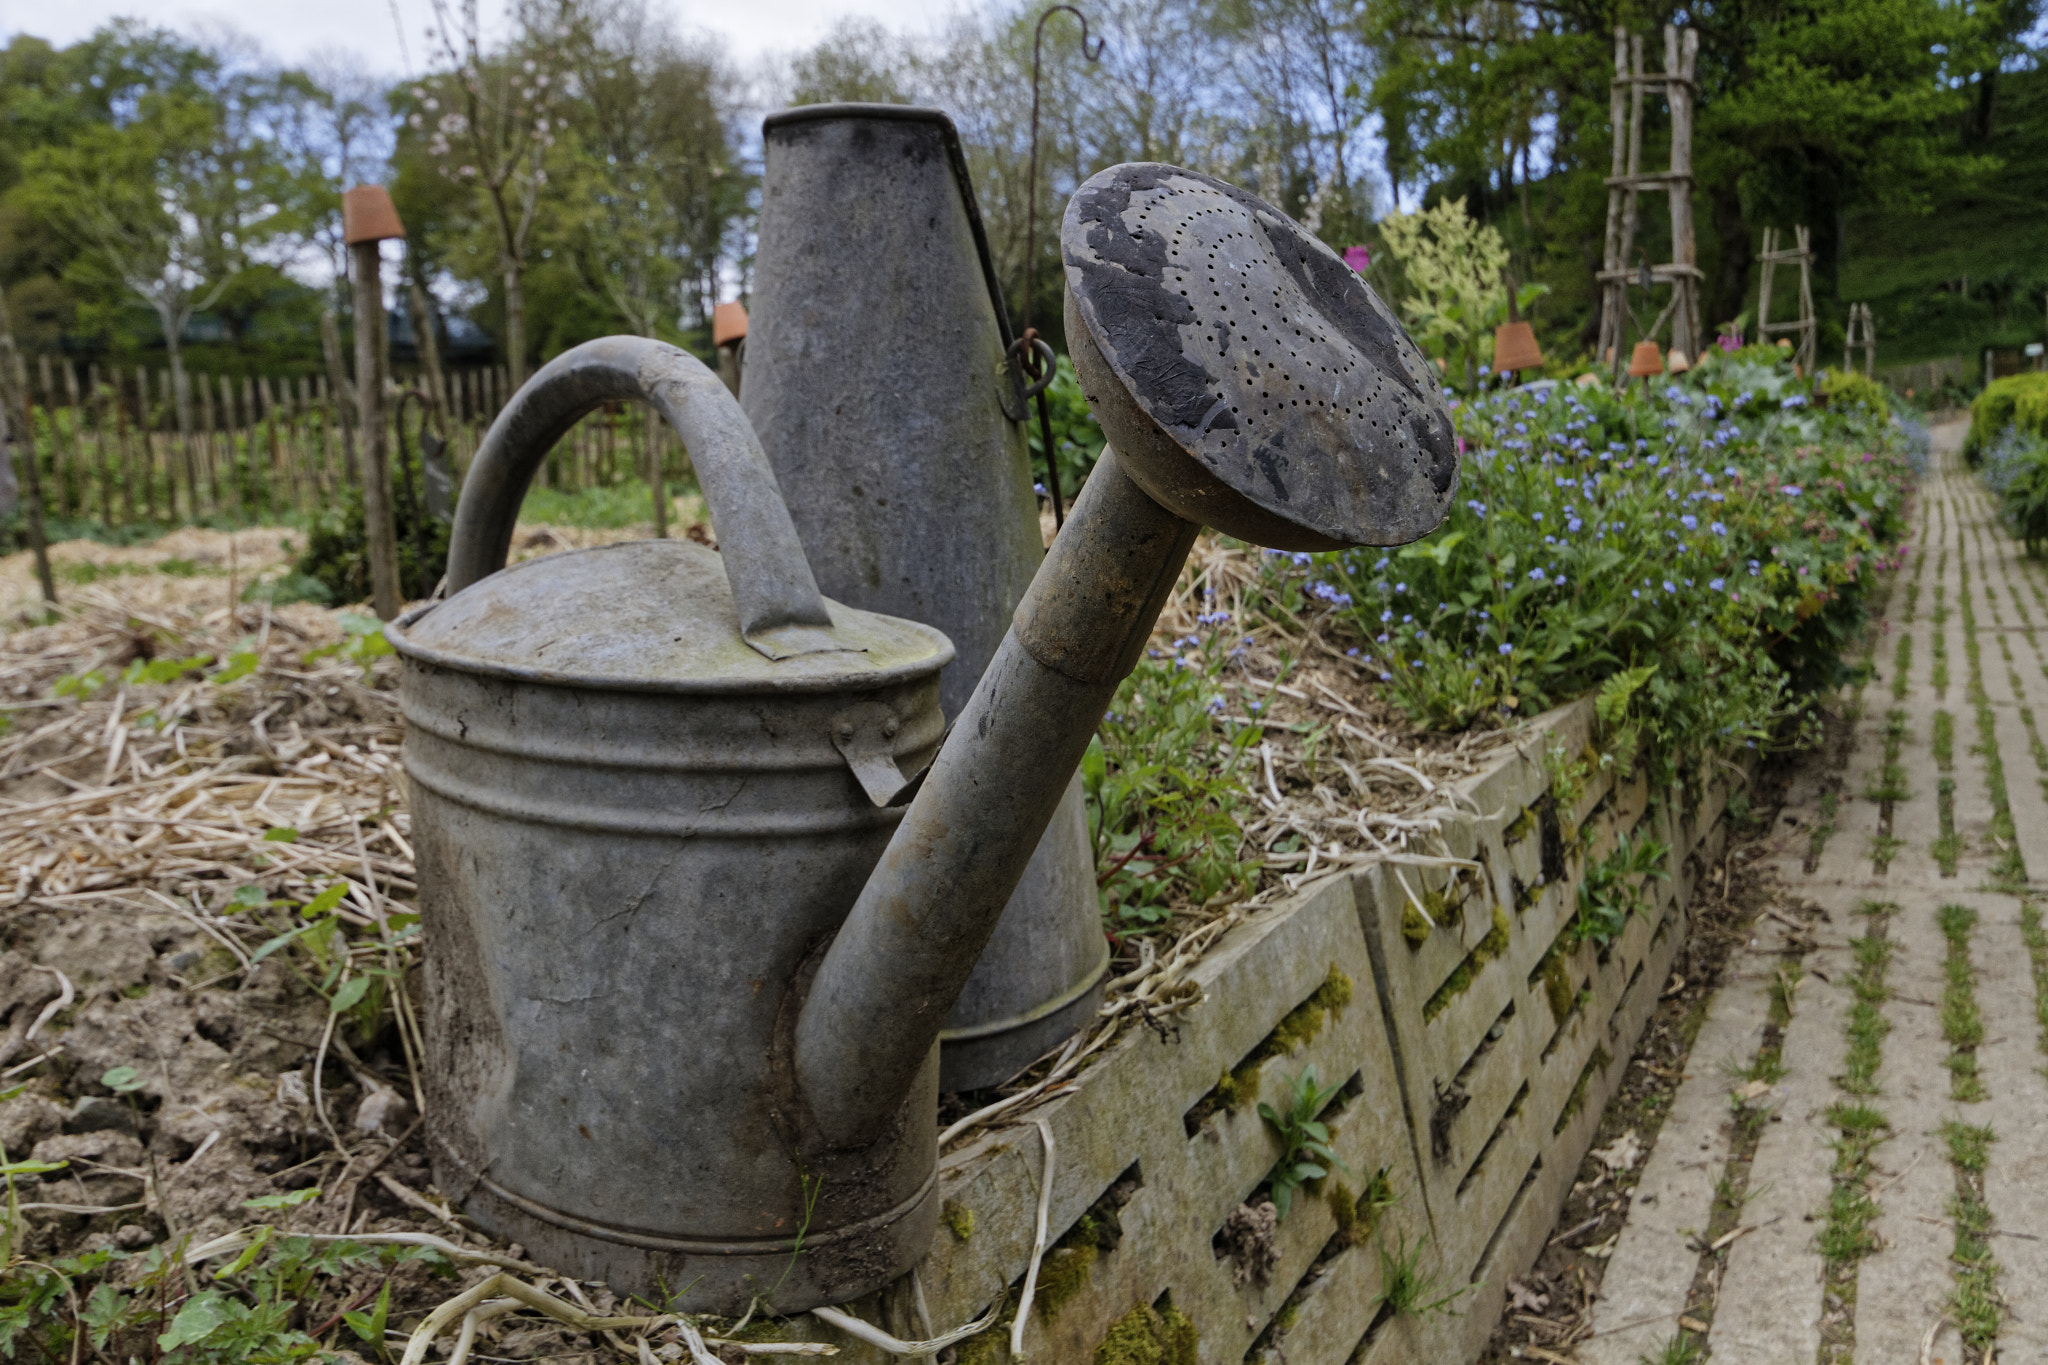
(1974, 1303)
(1961, 1022)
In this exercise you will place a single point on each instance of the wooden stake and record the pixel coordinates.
(20, 432)
(376, 466)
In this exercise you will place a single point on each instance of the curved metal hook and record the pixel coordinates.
(1031, 196)
(1091, 55)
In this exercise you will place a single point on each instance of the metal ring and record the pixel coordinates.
(1046, 355)
(1014, 395)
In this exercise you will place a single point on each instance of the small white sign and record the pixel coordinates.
(2035, 348)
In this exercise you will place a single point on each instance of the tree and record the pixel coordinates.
(492, 122)
(858, 61)
(652, 183)
(129, 197)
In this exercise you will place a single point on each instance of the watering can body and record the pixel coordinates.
(878, 382)
(634, 826)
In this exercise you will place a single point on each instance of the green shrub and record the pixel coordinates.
(1847, 388)
(2019, 400)
(1716, 536)
(337, 553)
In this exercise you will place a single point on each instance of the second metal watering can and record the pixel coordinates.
(877, 380)
(679, 1037)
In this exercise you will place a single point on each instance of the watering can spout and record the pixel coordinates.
(893, 972)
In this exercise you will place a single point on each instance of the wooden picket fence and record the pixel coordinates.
(259, 447)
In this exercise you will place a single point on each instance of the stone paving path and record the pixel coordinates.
(1855, 1167)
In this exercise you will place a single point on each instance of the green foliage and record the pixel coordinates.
(1305, 1153)
(2019, 401)
(1410, 1289)
(1612, 888)
(1849, 388)
(252, 1312)
(1454, 295)
(1721, 533)
(1165, 781)
(613, 506)
(1962, 1023)
(337, 553)
(1076, 437)
(2015, 469)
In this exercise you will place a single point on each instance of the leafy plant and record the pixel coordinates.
(1611, 889)
(1720, 532)
(1304, 1138)
(1454, 295)
(255, 1309)
(1164, 783)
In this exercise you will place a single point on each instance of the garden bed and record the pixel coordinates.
(1347, 816)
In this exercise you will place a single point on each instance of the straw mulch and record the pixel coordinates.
(163, 822)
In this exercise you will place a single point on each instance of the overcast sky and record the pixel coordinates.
(293, 30)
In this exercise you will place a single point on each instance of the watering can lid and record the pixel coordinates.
(648, 616)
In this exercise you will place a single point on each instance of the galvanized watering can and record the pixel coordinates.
(698, 896)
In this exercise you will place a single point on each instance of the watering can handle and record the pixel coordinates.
(781, 611)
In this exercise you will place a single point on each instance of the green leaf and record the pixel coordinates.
(1612, 703)
(106, 1312)
(291, 1199)
(351, 994)
(282, 939)
(280, 834)
(370, 1326)
(239, 666)
(249, 897)
(203, 1315)
(325, 902)
(32, 1167)
(248, 1256)
(121, 1080)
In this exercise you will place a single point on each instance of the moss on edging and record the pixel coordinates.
(1300, 1026)
(1458, 982)
(1150, 1336)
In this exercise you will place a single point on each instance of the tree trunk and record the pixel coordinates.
(426, 329)
(344, 393)
(515, 322)
(1987, 99)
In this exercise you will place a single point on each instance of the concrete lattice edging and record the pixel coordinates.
(1478, 1110)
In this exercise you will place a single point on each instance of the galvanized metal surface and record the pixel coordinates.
(878, 394)
(633, 827)
(1251, 380)
(780, 609)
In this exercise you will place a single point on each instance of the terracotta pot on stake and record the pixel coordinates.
(1645, 361)
(1514, 341)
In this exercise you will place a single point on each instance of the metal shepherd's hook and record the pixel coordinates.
(1029, 349)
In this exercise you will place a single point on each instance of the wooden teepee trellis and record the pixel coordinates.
(1681, 273)
(1862, 332)
(1775, 254)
